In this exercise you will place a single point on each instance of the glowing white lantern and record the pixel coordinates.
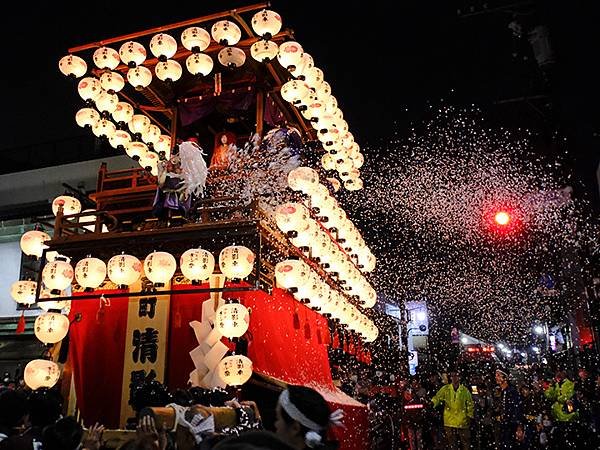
(235, 370)
(347, 139)
(106, 102)
(51, 327)
(294, 91)
(123, 112)
(151, 135)
(163, 145)
(343, 165)
(159, 267)
(372, 333)
(163, 46)
(303, 179)
(139, 124)
(69, 204)
(328, 161)
(358, 160)
(87, 117)
(266, 23)
(197, 264)
(306, 63)
(290, 55)
(23, 292)
(195, 39)
(264, 51)
(52, 305)
(72, 66)
(149, 161)
(291, 217)
(169, 70)
(41, 373)
(124, 270)
(369, 297)
(112, 82)
(89, 88)
(132, 53)
(232, 320)
(314, 77)
(57, 275)
(226, 32)
(232, 57)
(139, 77)
(104, 128)
(291, 273)
(106, 58)
(199, 64)
(236, 261)
(324, 90)
(32, 242)
(135, 150)
(353, 184)
(120, 139)
(90, 273)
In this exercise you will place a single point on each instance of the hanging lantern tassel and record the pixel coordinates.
(21, 324)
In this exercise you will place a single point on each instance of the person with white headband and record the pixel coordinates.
(303, 418)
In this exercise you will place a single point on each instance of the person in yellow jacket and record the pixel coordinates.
(562, 393)
(458, 412)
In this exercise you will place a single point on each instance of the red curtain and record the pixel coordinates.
(96, 348)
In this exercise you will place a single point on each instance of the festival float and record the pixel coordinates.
(223, 258)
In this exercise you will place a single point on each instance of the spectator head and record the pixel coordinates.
(44, 406)
(65, 434)
(501, 376)
(560, 375)
(302, 417)
(454, 377)
(13, 408)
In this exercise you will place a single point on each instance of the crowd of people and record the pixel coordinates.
(32, 420)
(525, 409)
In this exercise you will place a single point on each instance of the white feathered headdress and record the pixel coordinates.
(193, 168)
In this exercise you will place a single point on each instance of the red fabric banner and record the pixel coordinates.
(96, 349)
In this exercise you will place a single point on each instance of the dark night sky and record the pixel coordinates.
(387, 68)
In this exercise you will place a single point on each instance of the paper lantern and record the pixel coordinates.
(195, 39)
(163, 145)
(124, 270)
(236, 261)
(370, 297)
(104, 128)
(135, 150)
(87, 117)
(159, 267)
(90, 273)
(132, 53)
(69, 204)
(89, 88)
(151, 135)
(51, 327)
(266, 23)
(294, 91)
(120, 139)
(139, 123)
(226, 32)
(106, 102)
(123, 113)
(149, 161)
(32, 242)
(232, 57)
(354, 184)
(163, 46)
(290, 54)
(358, 160)
(139, 77)
(53, 305)
(291, 217)
(303, 179)
(314, 77)
(264, 51)
(169, 70)
(72, 66)
(199, 64)
(197, 264)
(306, 63)
(112, 82)
(231, 320)
(23, 292)
(57, 275)
(235, 370)
(41, 373)
(106, 58)
(291, 273)
(372, 332)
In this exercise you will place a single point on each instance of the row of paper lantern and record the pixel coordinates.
(306, 180)
(310, 235)
(163, 46)
(306, 285)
